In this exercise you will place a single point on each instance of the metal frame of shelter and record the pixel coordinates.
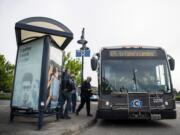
(31, 29)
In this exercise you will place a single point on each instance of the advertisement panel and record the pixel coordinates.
(28, 75)
(54, 76)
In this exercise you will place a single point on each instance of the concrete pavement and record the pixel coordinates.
(27, 126)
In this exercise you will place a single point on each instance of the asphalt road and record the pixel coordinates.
(161, 127)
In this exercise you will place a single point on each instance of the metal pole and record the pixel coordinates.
(82, 69)
(83, 42)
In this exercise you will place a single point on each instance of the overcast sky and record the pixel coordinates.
(106, 22)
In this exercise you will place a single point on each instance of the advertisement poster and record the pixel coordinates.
(28, 74)
(54, 76)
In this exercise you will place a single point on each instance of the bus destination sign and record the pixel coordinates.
(133, 53)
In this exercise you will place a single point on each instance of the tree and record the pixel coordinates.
(6, 74)
(74, 65)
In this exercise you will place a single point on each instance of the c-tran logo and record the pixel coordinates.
(136, 103)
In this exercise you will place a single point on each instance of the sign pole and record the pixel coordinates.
(82, 69)
(83, 42)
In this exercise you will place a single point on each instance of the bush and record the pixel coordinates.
(177, 98)
(5, 96)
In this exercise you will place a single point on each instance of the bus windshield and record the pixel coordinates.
(135, 75)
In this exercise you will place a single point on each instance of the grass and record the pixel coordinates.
(5, 96)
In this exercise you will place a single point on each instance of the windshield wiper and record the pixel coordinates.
(134, 78)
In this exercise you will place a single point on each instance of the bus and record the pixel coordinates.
(134, 82)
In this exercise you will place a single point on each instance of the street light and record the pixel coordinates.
(83, 42)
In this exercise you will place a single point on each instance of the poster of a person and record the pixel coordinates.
(53, 85)
(28, 97)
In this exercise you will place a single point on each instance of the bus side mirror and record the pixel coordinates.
(94, 63)
(171, 63)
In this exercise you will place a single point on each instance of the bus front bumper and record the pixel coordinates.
(124, 114)
(112, 114)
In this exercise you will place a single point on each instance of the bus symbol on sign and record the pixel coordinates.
(85, 53)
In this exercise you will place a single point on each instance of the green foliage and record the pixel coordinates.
(74, 65)
(6, 74)
(177, 98)
(176, 93)
(5, 96)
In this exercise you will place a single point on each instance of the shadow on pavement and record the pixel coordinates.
(134, 123)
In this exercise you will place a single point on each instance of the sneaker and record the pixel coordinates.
(77, 113)
(62, 117)
(90, 115)
(67, 117)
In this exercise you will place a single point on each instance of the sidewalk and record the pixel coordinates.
(28, 126)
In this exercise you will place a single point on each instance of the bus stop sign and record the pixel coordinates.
(85, 53)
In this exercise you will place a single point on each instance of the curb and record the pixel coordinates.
(80, 128)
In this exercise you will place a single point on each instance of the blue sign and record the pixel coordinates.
(136, 103)
(78, 53)
(85, 53)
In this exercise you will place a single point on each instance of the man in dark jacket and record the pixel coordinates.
(65, 94)
(85, 96)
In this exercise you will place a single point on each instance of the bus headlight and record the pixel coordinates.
(104, 104)
(166, 103)
(107, 103)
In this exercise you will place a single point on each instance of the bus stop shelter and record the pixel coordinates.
(39, 62)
